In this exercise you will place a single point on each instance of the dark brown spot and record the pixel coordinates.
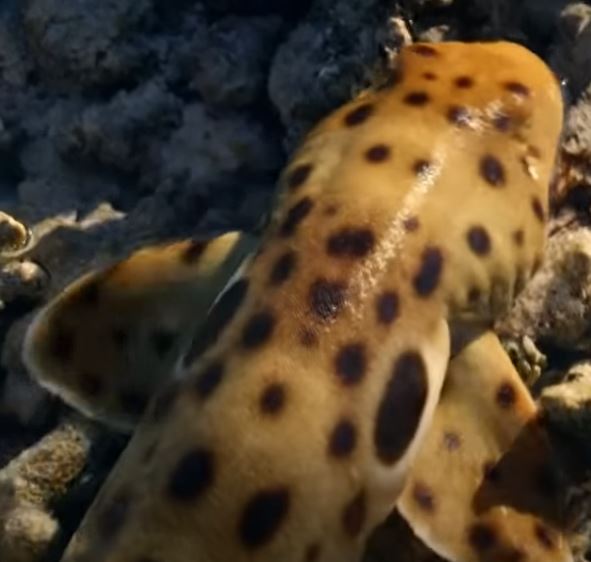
(354, 514)
(120, 337)
(283, 268)
(298, 176)
(359, 115)
(387, 307)
(491, 472)
(482, 537)
(133, 402)
(308, 338)
(313, 552)
(295, 216)
(272, 399)
(534, 151)
(112, 518)
(351, 363)
(502, 122)
(91, 384)
(411, 224)
(429, 76)
(538, 209)
(351, 242)
(377, 153)
(209, 379)
(506, 395)
(258, 329)
(221, 314)
(192, 475)
(193, 251)
(479, 240)
(513, 554)
(162, 341)
(401, 407)
(89, 294)
(474, 294)
(518, 237)
(263, 515)
(343, 439)
(417, 99)
(517, 88)
(492, 170)
(423, 496)
(424, 50)
(326, 298)
(451, 440)
(429, 273)
(544, 536)
(422, 167)
(458, 115)
(61, 344)
(464, 82)
(331, 210)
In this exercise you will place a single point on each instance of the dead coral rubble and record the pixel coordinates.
(128, 122)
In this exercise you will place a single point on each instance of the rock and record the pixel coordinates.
(53, 186)
(541, 19)
(419, 5)
(120, 133)
(15, 64)
(394, 541)
(571, 58)
(211, 144)
(86, 240)
(88, 42)
(527, 359)
(31, 483)
(566, 415)
(570, 54)
(15, 237)
(127, 122)
(22, 279)
(441, 32)
(328, 58)
(555, 307)
(28, 531)
(21, 398)
(257, 7)
(575, 170)
(232, 62)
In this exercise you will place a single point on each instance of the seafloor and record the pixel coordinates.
(124, 122)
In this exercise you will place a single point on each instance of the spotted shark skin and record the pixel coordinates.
(109, 340)
(413, 213)
(485, 486)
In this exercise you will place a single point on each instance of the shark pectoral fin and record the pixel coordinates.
(114, 335)
(484, 487)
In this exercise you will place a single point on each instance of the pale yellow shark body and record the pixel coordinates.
(107, 342)
(408, 218)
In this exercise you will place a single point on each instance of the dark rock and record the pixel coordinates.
(88, 42)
